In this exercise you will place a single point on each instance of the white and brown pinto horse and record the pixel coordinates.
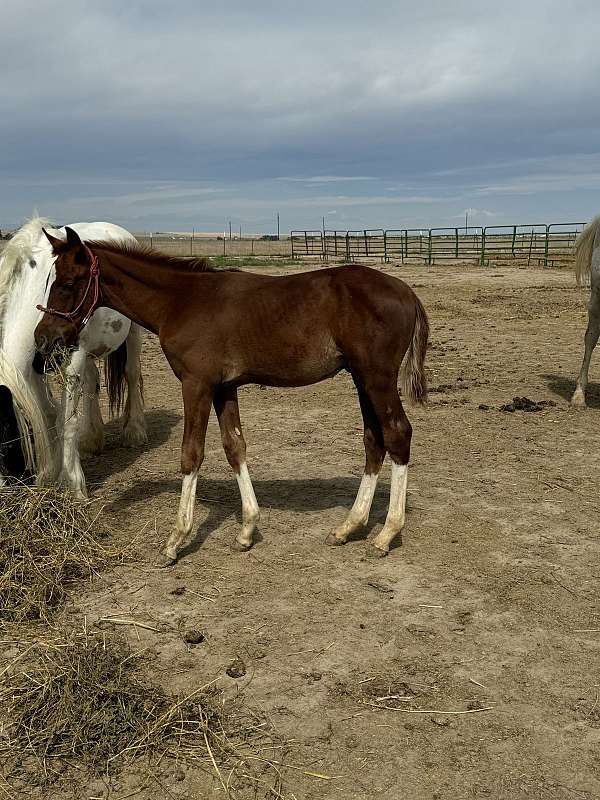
(223, 329)
(36, 438)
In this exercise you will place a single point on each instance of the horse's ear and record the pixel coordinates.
(58, 245)
(73, 239)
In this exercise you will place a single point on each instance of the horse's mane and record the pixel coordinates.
(135, 249)
(15, 251)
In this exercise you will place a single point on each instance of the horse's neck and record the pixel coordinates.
(136, 289)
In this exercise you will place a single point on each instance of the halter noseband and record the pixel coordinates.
(93, 281)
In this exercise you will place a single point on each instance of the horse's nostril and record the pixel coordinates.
(41, 342)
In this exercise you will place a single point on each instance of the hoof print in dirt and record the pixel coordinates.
(193, 637)
(237, 669)
(525, 404)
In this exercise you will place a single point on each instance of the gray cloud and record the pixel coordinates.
(159, 115)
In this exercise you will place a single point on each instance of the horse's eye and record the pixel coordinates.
(68, 285)
(32, 263)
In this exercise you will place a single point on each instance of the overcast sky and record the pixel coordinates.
(173, 115)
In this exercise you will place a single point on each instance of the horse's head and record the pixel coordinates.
(73, 296)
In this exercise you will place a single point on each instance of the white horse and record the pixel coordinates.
(587, 263)
(36, 437)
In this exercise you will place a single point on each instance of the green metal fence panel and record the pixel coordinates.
(561, 237)
(307, 243)
(537, 243)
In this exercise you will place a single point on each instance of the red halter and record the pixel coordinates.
(94, 280)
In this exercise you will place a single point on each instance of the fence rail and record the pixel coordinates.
(540, 244)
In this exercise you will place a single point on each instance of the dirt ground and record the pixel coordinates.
(489, 607)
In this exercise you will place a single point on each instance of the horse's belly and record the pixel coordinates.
(298, 366)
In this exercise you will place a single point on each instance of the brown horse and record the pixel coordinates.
(223, 329)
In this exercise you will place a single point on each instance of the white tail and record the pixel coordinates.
(584, 247)
(412, 371)
(31, 421)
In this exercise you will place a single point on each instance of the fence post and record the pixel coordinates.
(429, 248)
(514, 239)
(455, 242)
(150, 238)
(306, 242)
(546, 245)
(385, 256)
(483, 234)
(366, 245)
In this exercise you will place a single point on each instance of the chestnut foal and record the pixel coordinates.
(223, 329)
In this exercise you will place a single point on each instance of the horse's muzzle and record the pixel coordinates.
(45, 345)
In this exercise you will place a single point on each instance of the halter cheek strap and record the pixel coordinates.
(93, 285)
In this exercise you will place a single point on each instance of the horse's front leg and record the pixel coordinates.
(197, 399)
(71, 473)
(228, 414)
(91, 434)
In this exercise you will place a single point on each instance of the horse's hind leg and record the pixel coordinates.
(196, 404)
(591, 339)
(397, 434)
(374, 455)
(134, 422)
(91, 437)
(228, 414)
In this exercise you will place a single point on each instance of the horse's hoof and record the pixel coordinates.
(372, 551)
(163, 560)
(134, 437)
(240, 547)
(333, 541)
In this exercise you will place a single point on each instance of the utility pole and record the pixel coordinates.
(229, 230)
(466, 219)
(278, 226)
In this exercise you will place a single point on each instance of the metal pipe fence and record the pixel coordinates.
(537, 244)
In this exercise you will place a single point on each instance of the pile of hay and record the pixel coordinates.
(47, 540)
(83, 700)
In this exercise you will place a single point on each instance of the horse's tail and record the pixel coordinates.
(584, 247)
(31, 422)
(114, 374)
(412, 371)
